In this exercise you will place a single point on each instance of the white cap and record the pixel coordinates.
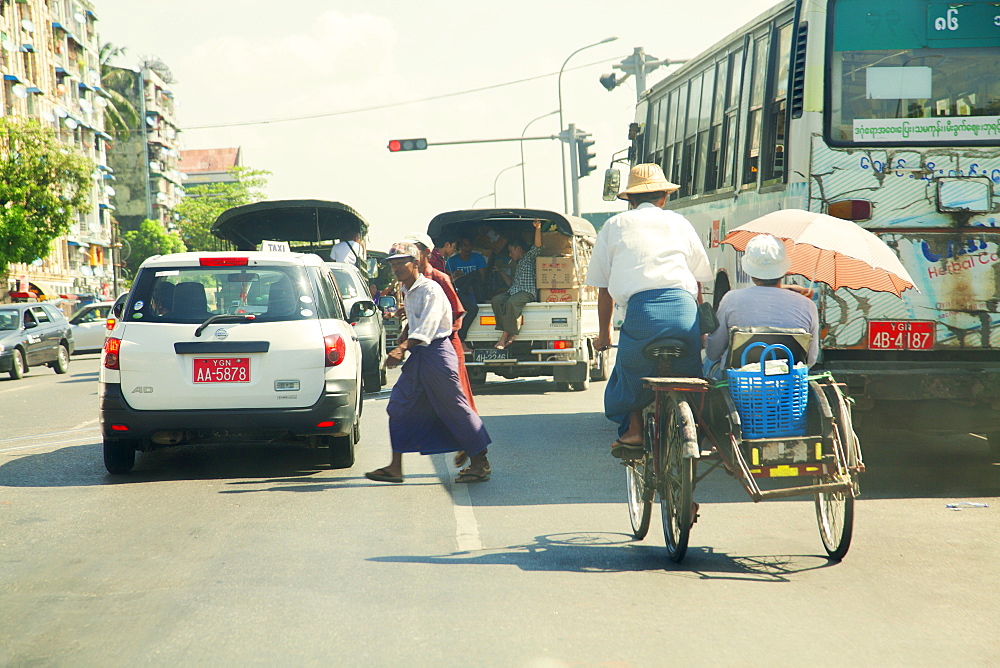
(420, 238)
(765, 258)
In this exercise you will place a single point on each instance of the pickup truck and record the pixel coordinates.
(557, 333)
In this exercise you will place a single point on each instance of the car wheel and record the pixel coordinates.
(18, 367)
(342, 451)
(119, 456)
(61, 365)
(371, 383)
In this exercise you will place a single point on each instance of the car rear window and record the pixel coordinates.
(194, 294)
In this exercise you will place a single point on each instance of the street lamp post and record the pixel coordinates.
(482, 198)
(524, 187)
(562, 149)
(505, 169)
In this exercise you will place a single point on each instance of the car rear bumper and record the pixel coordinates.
(336, 405)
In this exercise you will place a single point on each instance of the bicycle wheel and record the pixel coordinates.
(638, 479)
(835, 510)
(677, 477)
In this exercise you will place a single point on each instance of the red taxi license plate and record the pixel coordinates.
(222, 370)
(900, 335)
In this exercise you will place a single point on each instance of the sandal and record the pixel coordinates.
(623, 450)
(469, 476)
(383, 475)
(461, 458)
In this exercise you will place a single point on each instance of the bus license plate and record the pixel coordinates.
(222, 370)
(487, 354)
(900, 335)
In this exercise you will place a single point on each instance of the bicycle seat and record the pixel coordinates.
(666, 346)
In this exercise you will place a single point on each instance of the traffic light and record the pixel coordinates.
(396, 145)
(586, 156)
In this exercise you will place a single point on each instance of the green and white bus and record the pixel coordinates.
(883, 112)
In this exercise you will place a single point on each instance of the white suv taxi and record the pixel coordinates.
(232, 346)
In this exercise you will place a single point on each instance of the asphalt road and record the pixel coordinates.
(265, 556)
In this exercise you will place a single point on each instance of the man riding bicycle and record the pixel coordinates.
(652, 260)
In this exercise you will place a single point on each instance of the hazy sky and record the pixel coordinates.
(238, 61)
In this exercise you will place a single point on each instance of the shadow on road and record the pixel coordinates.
(617, 553)
(83, 465)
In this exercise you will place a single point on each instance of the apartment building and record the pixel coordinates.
(148, 180)
(49, 60)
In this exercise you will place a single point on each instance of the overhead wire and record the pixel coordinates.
(343, 112)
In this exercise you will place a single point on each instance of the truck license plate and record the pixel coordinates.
(487, 354)
(222, 370)
(900, 335)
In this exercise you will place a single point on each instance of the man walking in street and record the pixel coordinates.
(507, 306)
(651, 260)
(428, 411)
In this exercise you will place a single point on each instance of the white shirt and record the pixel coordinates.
(763, 306)
(647, 248)
(347, 251)
(428, 311)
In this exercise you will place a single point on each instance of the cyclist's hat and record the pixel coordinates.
(765, 258)
(647, 178)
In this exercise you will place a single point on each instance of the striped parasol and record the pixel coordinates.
(829, 250)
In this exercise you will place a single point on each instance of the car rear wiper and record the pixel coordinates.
(225, 317)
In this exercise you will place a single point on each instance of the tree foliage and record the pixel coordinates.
(43, 185)
(203, 204)
(150, 239)
(120, 116)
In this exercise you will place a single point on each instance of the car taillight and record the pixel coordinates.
(224, 261)
(111, 348)
(110, 323)
(562, 345)
(336, 349)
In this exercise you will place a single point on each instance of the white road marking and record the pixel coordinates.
(466, 525)
(75, 441)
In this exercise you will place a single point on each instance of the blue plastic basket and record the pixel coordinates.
(770, 406)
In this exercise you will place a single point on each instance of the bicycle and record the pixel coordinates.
(687, 413)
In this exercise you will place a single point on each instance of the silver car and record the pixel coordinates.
(90, 326)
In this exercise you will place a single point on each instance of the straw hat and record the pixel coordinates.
(765, 258)
(647, 178)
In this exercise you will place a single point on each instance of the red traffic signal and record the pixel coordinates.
(396, 145)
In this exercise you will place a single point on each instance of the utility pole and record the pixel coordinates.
(639, 64)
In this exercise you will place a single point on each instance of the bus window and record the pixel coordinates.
(773, 170)
(731, 120)
(653, 145)
(712, 167)
(929, 66)
(757, 80)
(704, 122)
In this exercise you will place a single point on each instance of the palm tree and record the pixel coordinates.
(120, 116)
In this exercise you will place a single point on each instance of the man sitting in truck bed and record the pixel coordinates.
(507, 306)
(467, 269)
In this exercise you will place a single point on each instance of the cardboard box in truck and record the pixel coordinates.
(556, 272)
(567, 294)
